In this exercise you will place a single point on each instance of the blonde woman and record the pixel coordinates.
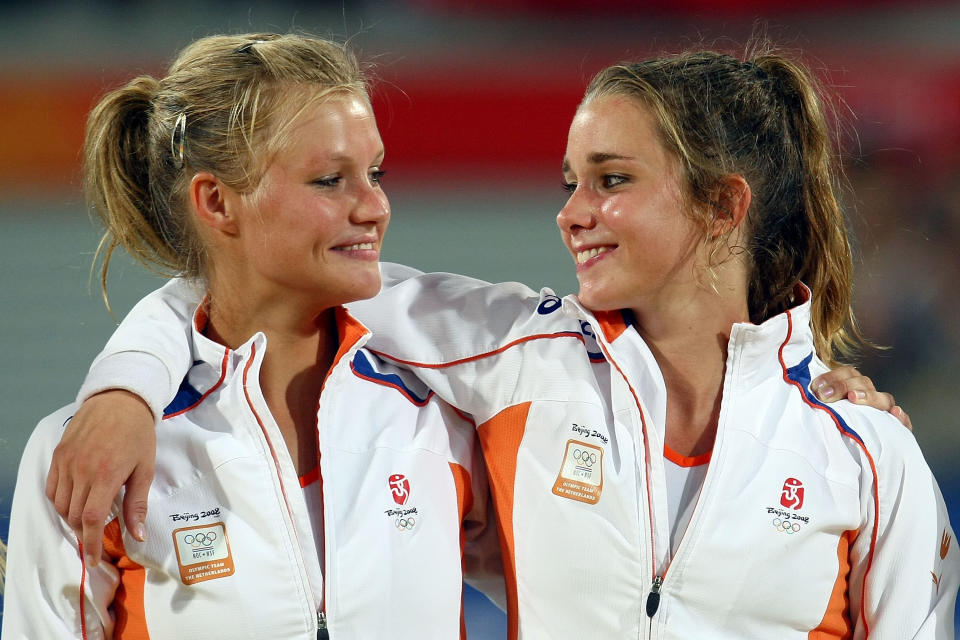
(303, 486)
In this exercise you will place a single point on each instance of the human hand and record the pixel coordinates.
(109, 442)
(848, 383)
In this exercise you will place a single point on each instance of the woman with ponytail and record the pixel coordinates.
(660, 463)
(304, 487)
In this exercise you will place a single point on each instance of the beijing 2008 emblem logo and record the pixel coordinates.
(792, 494)
(399, 488)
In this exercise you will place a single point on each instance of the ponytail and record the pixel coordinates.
(825, 260)
(121, 185)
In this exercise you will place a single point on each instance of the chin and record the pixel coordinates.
(598, 300)
(366, 286)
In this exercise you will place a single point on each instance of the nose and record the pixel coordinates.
(372, 205)
(578, 213)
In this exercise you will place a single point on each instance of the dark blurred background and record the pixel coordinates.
(473, 101)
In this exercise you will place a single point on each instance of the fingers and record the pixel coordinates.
(135, 501)
(110, 441)
(848, 383)
(876, 399)
(841, 383)
(53, 481)
(62, 489)
(93, 518)
(90, 506)
(902, 416)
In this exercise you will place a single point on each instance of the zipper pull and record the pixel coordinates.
(653, 600)
(322, 633)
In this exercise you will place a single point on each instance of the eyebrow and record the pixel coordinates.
(598, 157)
(346, 157)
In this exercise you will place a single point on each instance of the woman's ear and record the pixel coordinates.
(214, 203)
(731, 205)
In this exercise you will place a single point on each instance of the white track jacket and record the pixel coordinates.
(812, 522)
(229, 551)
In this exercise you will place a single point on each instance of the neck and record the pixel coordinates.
(302, 342)
(688, 335)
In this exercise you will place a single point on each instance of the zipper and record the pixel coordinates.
(653, 598)
(292, 529)
(322, 632)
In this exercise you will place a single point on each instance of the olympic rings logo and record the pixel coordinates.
(405, 524)
(200, 540)
(584, 457)
(786, 526)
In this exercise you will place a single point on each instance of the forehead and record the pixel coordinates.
(341, 124)
(613, 119)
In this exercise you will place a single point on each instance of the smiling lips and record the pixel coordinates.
(582, 257)
(360, 250)
(363, 246)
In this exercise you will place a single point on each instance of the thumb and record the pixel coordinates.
(135, 500)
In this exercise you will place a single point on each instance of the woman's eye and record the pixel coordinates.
(569, 187)
(612, 180)
(327, 181)
(377, 175)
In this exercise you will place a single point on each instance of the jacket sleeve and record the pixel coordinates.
(443, 326)
(149, 353)
(905, 564)
(48, 588)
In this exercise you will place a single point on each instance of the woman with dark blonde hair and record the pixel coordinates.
(659, 462)
(303, 487)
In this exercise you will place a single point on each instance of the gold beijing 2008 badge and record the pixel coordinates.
(581, 474)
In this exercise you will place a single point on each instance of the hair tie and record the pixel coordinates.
(245, 48)
(177, 138)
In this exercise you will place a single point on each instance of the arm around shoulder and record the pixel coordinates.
(111, 441)
(149, 353)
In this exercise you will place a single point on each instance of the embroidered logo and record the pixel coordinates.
(399, 487)
(581, 473)
(203, 552)
(945, 541)
(792, 494)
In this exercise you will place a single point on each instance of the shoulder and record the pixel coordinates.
(890, 455)
(881, 434)
(37, 454)
(407, 286)
(46, 435)
(441, 317)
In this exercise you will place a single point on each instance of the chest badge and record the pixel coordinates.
(581, 473)
(399, 488)
(203, 552)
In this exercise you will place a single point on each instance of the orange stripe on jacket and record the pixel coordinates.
(128, 602)
(500, 438)
(836, 619)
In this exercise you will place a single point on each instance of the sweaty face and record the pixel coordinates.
(625, 222)
(314, 224)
